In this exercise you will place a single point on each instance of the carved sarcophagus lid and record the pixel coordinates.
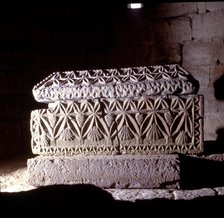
(115, 83)
(140, 110)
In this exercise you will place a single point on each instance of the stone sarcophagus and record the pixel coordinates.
(136, 110)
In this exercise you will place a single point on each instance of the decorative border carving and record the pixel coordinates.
(147, 125)
(115, 83)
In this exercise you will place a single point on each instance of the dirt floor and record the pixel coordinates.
(13, 174)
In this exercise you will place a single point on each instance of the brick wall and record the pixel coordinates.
(35, 42)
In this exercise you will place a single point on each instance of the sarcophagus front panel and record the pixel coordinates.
(145, 125)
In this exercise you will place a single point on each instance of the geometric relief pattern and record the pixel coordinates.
(145, 125)
(115, 83)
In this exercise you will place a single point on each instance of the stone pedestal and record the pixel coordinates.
(106, 171)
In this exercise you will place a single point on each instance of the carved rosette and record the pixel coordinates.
(146, 125)
(115, 83)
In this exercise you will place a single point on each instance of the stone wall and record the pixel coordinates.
(199, 31)
(34, 42)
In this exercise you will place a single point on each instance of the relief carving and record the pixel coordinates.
(136, 110)
(115, 83)
(146, 125)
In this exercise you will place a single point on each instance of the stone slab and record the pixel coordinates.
(134, 195)
(214, 6)
(208, 26)
(109, 171)
(177, 9)
(192, 194)
(219, 190)
(140, 194)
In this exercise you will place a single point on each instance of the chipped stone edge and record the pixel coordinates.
(134, 195)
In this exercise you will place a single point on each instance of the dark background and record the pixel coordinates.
(36, 41)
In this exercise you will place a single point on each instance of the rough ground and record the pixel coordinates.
(13, 174)
(13, 178)
(64, 200)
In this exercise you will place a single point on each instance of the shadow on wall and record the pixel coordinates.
(219, 95)
(197, 172)
(218, 145)
(218, 86)
(200, 172)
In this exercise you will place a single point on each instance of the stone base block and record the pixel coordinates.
(112, 171)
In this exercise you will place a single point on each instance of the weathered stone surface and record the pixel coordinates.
(140, 194)
(191, 194)
(199, 73)
(166, 52)
(201, 53)
(130, 126)
(201, 7)
(212, 123)
(13, 177)
(219, 190)
(208, 26)
(166, 10)
(149, 194)
(213, 6)
(115, 83)
(211, 86)
(215, 157)
(119, 171)
(175, 31)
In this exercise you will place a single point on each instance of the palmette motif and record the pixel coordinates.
(146, 125)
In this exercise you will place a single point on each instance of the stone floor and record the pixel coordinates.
(13, 174)
(20, 199)
(13, 178)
